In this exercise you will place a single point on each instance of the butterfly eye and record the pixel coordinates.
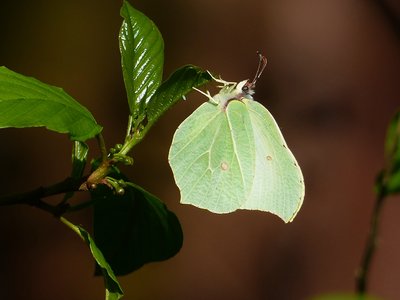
(248, 88)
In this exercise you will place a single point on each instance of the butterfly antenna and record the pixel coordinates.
(262, 63)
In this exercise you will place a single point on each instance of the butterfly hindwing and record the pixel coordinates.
(278, 185)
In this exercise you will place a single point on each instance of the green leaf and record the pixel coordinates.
(134, 229)
(344, 297)
(175, 87)
(80, 152)
(27, 102)
(230, 154)
(142, 57)
(391, 175)
(113, 289)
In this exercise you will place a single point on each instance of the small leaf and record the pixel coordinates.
(391, 176)
(142, 57)
(113, 289)
(392, 185)
(392, 143)
(27, 102)
(134, 229)
(175, 87)
(80, 152)
(79, 157)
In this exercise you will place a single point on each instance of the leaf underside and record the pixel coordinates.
(134, 229)
(174, 88)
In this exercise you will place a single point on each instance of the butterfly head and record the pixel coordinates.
(232, 90)
(246, 88)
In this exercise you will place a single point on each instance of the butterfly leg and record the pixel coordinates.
(220, 80)
(207, 94)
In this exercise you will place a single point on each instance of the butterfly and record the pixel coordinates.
(230, 154)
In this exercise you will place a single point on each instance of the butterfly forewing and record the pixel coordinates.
(207, 158)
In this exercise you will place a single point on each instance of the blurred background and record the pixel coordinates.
(332, 83)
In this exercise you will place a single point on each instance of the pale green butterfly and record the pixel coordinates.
(230, 154)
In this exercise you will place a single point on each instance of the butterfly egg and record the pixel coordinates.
(224, 166)
(269, 157)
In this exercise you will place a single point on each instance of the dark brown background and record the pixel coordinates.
(332, 83)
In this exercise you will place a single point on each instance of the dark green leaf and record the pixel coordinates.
(175, 87)
(134, 229)
(392, 155)
(113, 289)
(142, 57)
(27, 102)
(392, 185)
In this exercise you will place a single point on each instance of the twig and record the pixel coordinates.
(102, 146)
(34, 197)
(370, 247)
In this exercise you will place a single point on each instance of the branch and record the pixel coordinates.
(34, 197)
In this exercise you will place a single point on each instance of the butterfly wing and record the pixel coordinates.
(211, 156)
(278, 185)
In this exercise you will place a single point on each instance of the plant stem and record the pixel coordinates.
(34, 197)
(370, 247)
(71, 226)
(128, 145)
(134, 139)
(102, 146)
(80, 206)
(129, 129)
